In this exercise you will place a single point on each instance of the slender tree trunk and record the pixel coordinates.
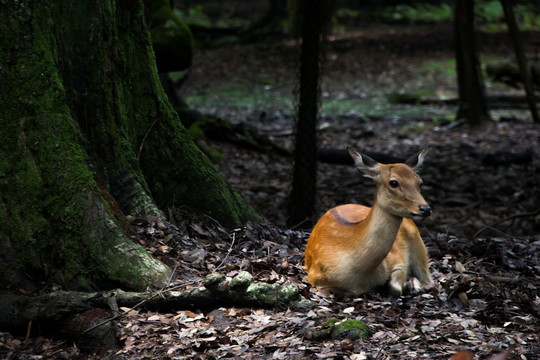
(520, 56)
(302, 198)
(88, 136)
(472, 94)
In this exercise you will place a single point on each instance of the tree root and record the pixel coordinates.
(81, 317)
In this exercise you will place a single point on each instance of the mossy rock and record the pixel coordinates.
(341, 329)
(172, 39)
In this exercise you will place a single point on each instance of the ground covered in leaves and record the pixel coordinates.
(483, 237)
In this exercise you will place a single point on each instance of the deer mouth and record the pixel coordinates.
(419, 217)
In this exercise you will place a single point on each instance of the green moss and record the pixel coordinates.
(214, 155)
(254, 97)
(413, 98)
(213, 280)
(196, 132)
(266, 294)
(264, 79)
(194, 181)
(342, 329)
(52, 213)
(171, 38)
(77, 90)
(32, 181)
(241, 281)
(418, 13)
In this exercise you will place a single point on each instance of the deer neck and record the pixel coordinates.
(380, 230)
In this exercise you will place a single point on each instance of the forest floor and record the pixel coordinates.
(483, 186)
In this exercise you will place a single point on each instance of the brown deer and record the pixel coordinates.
(354, 248)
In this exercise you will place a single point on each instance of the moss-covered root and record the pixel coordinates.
(243, 291)
(114, 260)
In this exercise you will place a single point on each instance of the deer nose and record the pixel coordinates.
(425, 210)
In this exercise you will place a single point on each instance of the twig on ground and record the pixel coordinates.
(228, 251)
(533, 213)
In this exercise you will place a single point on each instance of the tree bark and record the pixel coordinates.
(472, 94)
(88, 136)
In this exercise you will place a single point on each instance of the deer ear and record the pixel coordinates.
(366, 165)
(416, 161)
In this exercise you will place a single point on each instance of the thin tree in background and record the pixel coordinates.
(472, 93)
(302, 198)
(520, 56)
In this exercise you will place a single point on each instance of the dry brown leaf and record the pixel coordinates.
(463, 355)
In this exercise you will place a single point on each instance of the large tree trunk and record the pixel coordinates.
(472, 94)
(88, 136)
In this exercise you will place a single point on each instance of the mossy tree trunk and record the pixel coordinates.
(88, 136)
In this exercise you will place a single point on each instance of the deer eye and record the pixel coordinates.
(393, 183)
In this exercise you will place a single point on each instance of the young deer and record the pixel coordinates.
(354, 248)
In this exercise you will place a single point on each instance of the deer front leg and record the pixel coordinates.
(397, 280)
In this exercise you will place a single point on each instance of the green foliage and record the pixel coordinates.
(346, 14)
(488, 11)
(194, 16)
(490, 14)
(251, 97)
(418, 13)
(527, 19)
(342, 17)
(447, 66)
(264, 79)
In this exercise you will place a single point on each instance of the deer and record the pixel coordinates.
(354, 248)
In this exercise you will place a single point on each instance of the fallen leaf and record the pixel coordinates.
(459, 267)
(462, 355)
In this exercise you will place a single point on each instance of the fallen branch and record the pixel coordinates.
(76, 315)
(487, 227)
(500, 101)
